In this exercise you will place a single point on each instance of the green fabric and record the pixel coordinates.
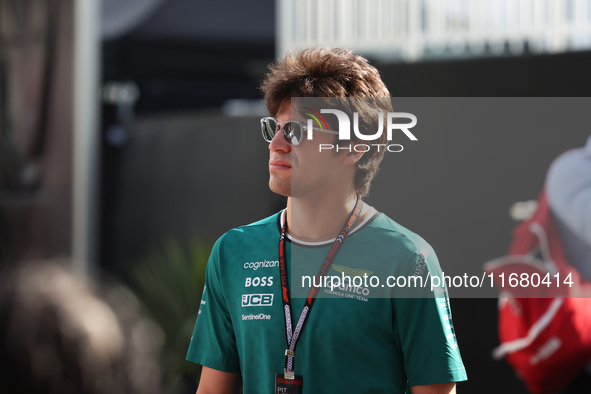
(352, 343)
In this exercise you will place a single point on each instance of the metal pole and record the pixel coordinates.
(86, 138)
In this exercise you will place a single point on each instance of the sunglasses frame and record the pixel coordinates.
(286, 137)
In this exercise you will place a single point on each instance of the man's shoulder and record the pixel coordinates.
(264, 227)
(393, 234)
(254, 242)
(263, 224)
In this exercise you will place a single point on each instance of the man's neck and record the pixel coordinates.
(319, 219)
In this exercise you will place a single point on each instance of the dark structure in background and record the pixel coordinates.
(564, 75)
(195, 54)
(184, 75)
(186, 56)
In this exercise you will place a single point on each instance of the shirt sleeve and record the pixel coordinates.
(213, 343)
(425, 329)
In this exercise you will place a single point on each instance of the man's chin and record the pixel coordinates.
(281, 188)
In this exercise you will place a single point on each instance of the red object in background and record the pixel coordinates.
(545, 331)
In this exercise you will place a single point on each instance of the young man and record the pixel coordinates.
(347, 342)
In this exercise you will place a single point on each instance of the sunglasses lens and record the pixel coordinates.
(268, 126)
(293, 132)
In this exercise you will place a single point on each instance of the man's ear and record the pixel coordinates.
(351, 158)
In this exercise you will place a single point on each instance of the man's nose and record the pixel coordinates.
(278, 143)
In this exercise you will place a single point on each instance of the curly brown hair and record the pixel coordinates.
(334, 72)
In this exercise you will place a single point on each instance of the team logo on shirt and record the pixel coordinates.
(352, 272)
(260, 316)
(257, 300)
(255, 265)
(262, 281)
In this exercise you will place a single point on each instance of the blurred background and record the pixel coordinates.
(129, 137)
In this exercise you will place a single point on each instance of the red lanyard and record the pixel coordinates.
(293, 336)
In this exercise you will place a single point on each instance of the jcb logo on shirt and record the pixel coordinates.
(257, 300)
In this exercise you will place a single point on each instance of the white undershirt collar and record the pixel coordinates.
(370, 215)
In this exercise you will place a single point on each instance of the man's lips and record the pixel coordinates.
(279, 165)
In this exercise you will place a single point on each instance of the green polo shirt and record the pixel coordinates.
(353, 342)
